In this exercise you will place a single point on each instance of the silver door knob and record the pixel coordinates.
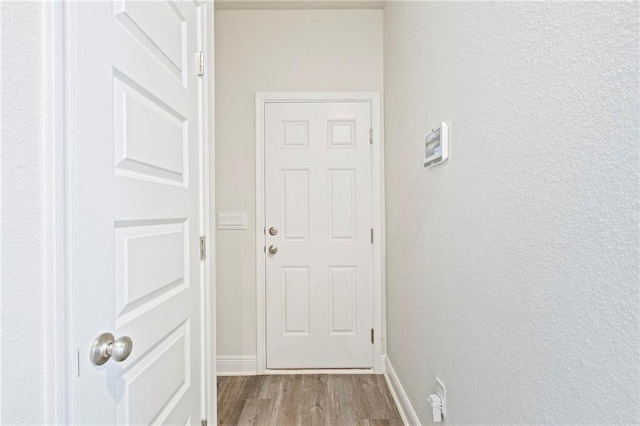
(273, 249)
(273, 231)
(106, 347)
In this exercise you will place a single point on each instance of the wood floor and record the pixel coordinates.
(306, 400)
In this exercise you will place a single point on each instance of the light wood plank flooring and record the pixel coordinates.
(306, 400)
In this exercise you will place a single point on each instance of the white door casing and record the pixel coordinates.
(320, 293)
(136, 207)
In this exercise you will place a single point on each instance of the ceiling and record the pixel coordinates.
(297, 4)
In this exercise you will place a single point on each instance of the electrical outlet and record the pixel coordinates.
(441, 391)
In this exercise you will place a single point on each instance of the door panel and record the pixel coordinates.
(138, 209)
(295, 300)
(160, 27)
(342, 204)
(342, 300)
(157, 153)
(318, 193)
(295, 204)
(154, 387)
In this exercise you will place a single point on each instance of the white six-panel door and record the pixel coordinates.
(318, 194)
(135, 183)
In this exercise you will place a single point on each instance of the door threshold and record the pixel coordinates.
(318, 371)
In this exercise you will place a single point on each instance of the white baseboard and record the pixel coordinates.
(408, 414)
(236, 365)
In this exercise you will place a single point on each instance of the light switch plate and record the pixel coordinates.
(237, 221)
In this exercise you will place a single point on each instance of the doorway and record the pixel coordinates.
(318, 232)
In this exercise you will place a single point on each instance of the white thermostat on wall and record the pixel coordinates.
(436, 146)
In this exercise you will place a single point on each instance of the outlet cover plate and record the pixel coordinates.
(442, 393)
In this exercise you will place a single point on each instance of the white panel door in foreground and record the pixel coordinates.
(136, 186)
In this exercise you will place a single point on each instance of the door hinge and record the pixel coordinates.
(370, 136)
(203, 248)
(371, 235)
(78, 353)
(372, 336)
(203, 422)
(200, 62)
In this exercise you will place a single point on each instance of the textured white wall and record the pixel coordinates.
(259, 51)
(22, 345)
(513, 269)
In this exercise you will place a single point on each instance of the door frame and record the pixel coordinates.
(61, 346)
(373, 98)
